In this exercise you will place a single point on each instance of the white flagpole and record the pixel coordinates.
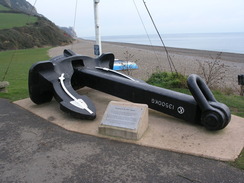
(98, 46)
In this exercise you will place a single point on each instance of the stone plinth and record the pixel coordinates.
(3, 86)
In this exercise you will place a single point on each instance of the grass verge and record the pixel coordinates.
(17, 74)
(10, 20)
(3, 8)
(239, 162)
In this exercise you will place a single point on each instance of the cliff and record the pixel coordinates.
(21, 6)
(42, 33)
(70, 31)
(36, 33)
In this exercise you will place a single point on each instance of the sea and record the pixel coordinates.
(221, 42)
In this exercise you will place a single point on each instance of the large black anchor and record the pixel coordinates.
(61, 76)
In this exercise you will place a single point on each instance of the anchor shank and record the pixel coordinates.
(173, 103)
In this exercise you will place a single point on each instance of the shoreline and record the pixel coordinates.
(152, 59)
(228, 56)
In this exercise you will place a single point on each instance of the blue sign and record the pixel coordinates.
(96, 50)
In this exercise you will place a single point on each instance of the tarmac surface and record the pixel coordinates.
(34, 150)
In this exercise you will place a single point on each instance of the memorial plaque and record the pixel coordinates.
(125, 120)
(123, 116)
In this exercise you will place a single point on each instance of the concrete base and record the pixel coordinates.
(129, 121)
(164, 132)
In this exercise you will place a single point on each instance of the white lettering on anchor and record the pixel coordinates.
(163, 104)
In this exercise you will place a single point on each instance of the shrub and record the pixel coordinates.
(168, 80)
(213, 71)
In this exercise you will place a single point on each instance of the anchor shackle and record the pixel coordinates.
(214, 115)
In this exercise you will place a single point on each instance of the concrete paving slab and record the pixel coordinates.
(164, 132)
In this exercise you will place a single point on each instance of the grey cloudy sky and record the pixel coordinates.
(120, 17)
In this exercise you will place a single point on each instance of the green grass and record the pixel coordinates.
(3, 8)
(17, 75)
(239, 162)
(10, 20)
(234, 102)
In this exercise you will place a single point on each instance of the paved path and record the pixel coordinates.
(33, 150)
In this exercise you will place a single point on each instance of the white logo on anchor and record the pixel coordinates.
(181, 110)
(76, 102)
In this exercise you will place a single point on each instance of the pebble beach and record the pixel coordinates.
(151, 59)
